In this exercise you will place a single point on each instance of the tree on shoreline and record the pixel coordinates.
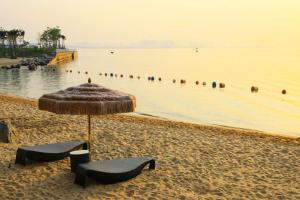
(11, 38)
(51, 38)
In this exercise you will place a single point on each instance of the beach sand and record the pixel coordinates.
(192, 161)
(7, 61)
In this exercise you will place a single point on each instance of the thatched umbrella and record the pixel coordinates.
(87, 99)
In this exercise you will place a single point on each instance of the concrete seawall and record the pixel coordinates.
(63, 56)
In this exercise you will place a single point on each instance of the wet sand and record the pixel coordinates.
(193, 161)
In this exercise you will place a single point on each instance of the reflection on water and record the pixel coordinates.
(270, 69)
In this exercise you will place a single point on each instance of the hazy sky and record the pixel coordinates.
(202, 23)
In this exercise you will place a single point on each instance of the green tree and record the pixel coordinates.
(51, 37)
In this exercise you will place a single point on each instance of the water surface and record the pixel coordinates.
(270, 69)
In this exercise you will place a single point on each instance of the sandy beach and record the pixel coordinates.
(7, 61)
(193, 161)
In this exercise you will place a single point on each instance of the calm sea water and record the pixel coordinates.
(270, 69)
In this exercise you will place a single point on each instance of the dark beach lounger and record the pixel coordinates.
(48, 152)
(112, 171)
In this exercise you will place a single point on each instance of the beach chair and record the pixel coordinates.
(47, 152)
(112, 171)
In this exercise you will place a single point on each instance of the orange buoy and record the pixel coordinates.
(197, 82)
(131, 76)
(70, 71)
(159, 78)
(254, 89)
(283, 91)
(222, 85)
(105, 74)
(86, 72)
(182, 81)
(121, 75)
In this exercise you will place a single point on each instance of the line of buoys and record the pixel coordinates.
(254, 89)
(214, 84)
(222, 85)
(182, 81)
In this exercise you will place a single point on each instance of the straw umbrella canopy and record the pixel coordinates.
(87, 99)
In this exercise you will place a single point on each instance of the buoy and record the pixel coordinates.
(100, 74)
(111, 74)
(70, 71)
(116, 75)
(86, 72)
(182, 81)
(254, 89)
(214, 84)
(204, 83)
(78, 72)
(53, 69)
(121, 75)
(67, 70)
(197, 82)
(138, 77)
(152, 78)
(131, 76)
(105, 74)
(283, 91)
(159, 78)
(112, 52)
(222, 85)
(174, 80)
(149, 78)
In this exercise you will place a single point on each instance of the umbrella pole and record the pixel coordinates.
(89, 129)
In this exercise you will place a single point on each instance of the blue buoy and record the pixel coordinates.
(152, 78)
(214, 84)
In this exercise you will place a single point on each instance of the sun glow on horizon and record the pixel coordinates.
(171, 23)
